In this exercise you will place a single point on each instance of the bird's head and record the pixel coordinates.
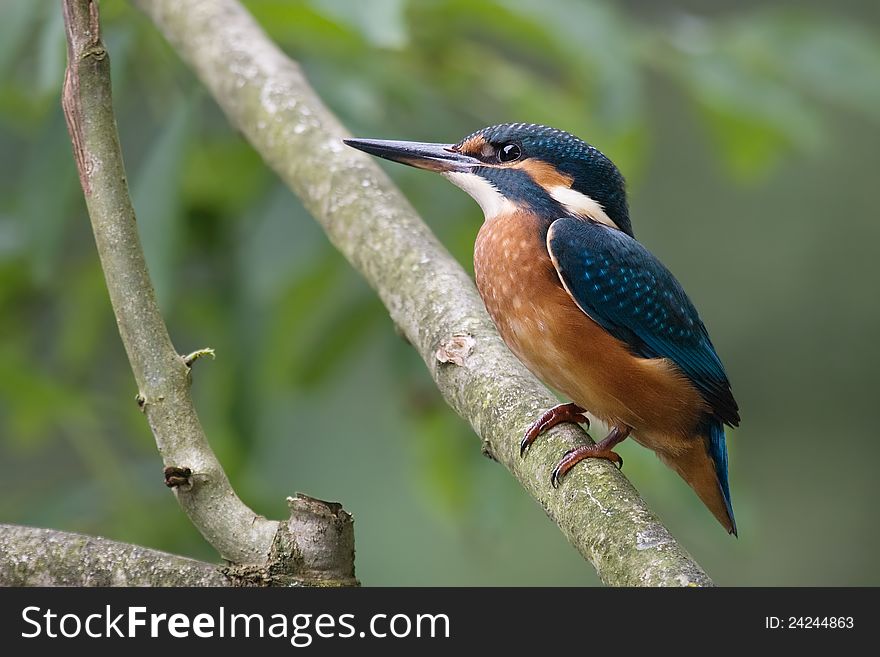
(521, 166)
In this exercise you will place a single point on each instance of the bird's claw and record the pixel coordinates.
(549, 419)
(526, 441)
(574, 456)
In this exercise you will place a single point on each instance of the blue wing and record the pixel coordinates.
(626, 290)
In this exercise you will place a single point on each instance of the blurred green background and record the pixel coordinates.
(749, 135)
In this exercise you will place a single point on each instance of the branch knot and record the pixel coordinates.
(455, 349)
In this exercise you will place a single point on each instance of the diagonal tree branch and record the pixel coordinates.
(428, 295)
(317, 544)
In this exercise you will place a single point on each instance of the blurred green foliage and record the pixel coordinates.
(749, 136)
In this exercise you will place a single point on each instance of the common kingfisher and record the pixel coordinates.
(584, 305)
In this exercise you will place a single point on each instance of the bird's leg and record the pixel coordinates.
(601, 450)
(556, 415)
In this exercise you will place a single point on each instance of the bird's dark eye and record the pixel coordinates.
(509, 153)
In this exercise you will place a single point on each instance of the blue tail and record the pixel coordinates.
(718, 452)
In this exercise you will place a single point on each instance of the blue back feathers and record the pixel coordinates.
(627, 291)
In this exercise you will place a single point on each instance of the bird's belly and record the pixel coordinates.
(562, 346)
(536, 323)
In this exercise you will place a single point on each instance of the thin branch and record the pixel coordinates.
(162, 375)
(48, 557)
(427, 293)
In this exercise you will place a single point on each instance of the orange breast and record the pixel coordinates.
(566, 349)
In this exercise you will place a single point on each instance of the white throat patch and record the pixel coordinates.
(492, 202)
(581, 204)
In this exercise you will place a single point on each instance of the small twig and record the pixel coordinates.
(189, 359)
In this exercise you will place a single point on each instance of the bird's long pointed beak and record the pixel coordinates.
(434, 157)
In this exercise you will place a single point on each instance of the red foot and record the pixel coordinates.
(556, 415)
(601, 450)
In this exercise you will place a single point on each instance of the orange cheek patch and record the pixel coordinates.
(544, 174)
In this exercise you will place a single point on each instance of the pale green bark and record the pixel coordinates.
(316, 545)
(46, 557)
(427, 293)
